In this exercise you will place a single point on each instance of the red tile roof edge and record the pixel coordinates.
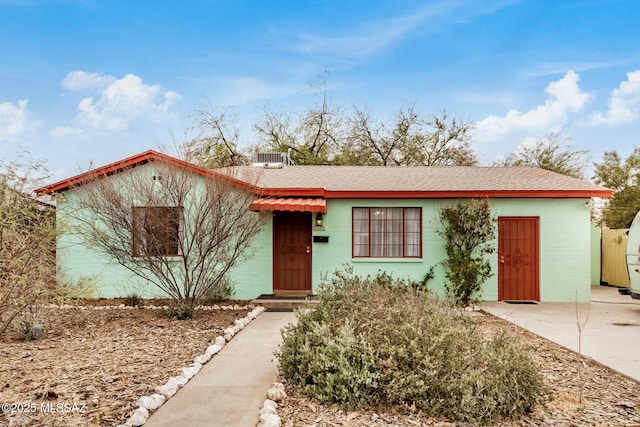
(293, 204)
(133, 161)
(151, 155)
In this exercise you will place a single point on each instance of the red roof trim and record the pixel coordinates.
(137, 160)
(152, 155)
(466, 194)
(331, 194)
(297, 204)
(293, 192)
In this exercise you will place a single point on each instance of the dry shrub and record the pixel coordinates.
(27, 243)
(382, 341)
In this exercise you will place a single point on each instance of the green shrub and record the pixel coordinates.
(27, 331)
(334, 365)
(222, 290)
(178, 312)
(380, 340)
(468, 231)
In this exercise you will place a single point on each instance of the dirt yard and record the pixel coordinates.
(93, 364)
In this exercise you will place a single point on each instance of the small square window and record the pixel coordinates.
(157, 231)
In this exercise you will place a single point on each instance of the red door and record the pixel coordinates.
(518, 278)
(291, 253)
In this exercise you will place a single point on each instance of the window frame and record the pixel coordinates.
(387, 231)
(173, 234)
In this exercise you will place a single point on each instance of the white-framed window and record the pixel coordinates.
(157, 230)
(387, 232)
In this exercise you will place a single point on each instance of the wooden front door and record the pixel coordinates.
(518, 278)
(292, 253)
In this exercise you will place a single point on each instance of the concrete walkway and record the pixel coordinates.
(230, 389)
(611, 335)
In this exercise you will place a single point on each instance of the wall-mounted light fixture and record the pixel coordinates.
(319, 219)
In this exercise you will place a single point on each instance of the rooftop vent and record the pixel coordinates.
(271, 160)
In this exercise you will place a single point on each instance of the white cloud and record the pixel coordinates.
(565, 97)
(80, 80)
(14, 120)
(120, 102)
(624, 103)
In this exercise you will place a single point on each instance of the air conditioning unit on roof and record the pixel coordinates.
(271, 160)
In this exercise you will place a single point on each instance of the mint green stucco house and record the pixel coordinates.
(376, 219)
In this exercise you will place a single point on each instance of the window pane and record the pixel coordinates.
(360, 232)
(173, 231)
(157, 231)
(394, 232)
(378, 226)
(387, 232)
(412, 232)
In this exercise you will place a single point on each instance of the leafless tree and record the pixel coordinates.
(311, 138)
(408, 140)
(175, 228)
(551, 153)
(327, 134)
(216, 138)
(27, 243)
(369, 143)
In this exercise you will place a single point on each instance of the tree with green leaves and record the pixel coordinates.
(552, 153)
(623, 177)
(468, 232)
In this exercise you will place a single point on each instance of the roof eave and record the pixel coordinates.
(420, 194)
(137, 160)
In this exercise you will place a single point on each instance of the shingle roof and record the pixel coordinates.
(347, 181)
(372, 181)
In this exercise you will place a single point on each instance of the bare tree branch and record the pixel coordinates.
(209, 226)
(216, 140)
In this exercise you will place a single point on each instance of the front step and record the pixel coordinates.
(285, 303)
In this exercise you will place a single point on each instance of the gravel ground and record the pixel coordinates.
(93, 364)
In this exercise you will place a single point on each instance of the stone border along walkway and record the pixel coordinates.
(268, 412)
(149, 307)
(148, 404)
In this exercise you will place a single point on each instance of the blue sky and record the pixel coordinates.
(91, 81)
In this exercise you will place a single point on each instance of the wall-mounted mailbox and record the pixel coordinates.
(320, 239)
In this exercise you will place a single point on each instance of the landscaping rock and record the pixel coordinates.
(213, 349)
(167, 390)
(139, 417)
(152, 402)
(269, 420)
(276, 392)
(203, 358)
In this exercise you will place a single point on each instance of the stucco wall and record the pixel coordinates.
(596, 255)
(564, 237)
(79, 262)
(565, 246)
